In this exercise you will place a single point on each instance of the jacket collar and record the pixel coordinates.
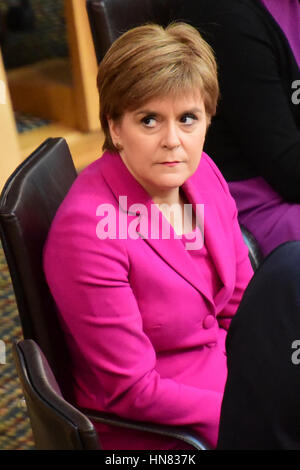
(172, 250)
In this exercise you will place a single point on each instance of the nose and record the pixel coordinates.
(170, 138)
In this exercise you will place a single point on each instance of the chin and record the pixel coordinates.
(173, 180)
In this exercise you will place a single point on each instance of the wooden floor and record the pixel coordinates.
(84, 147)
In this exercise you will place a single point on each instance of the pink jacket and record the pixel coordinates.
(145, 334)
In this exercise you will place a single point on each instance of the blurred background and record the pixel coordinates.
(32, 30)
(47, 89)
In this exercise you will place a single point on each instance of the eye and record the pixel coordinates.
(149, 121)
(188, 119)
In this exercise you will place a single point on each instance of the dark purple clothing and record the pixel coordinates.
(265, 213)
(262, 210)
(287, 15)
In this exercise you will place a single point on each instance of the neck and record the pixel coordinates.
(168, 197)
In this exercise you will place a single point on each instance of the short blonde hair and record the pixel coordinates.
(151, 61)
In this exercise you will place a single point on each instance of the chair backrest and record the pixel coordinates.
(28, 203)
(56, 425)
(111, 18)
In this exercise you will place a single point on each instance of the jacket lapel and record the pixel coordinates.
(171, 250)
(217, 242)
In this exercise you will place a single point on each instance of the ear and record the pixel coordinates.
(115, 130)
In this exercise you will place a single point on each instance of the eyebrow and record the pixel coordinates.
(155, 113)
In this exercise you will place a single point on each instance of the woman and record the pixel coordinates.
(146, 315)
(255, 136)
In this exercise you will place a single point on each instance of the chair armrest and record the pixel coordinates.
(255, 253)
(171, 431)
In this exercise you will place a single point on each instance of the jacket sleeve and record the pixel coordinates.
(256, 100)
(243, 273)
(114, 362)
(243, 268)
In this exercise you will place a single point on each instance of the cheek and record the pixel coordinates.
(196, 144)
(195, 151)
(195, 161)
(202, 133)
(136, 142)
(128, 141)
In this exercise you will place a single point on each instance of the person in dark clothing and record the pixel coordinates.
(255, 136)
(260, 408)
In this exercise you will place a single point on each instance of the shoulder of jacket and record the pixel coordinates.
(209, 173)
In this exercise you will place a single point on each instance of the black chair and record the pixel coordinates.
(111, 18)
(255, 253)
(55, 423)
(28, 203)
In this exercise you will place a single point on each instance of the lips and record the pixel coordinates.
(170, 163)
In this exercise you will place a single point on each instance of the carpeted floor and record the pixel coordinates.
(15, 430)
(26, 123)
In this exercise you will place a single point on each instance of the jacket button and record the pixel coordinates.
(208, 321)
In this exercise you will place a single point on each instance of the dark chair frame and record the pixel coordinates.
(47, 408)
(73, 426)
(105, 31)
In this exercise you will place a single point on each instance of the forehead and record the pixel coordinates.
(176, 103)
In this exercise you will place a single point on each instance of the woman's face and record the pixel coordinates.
(162, 141)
